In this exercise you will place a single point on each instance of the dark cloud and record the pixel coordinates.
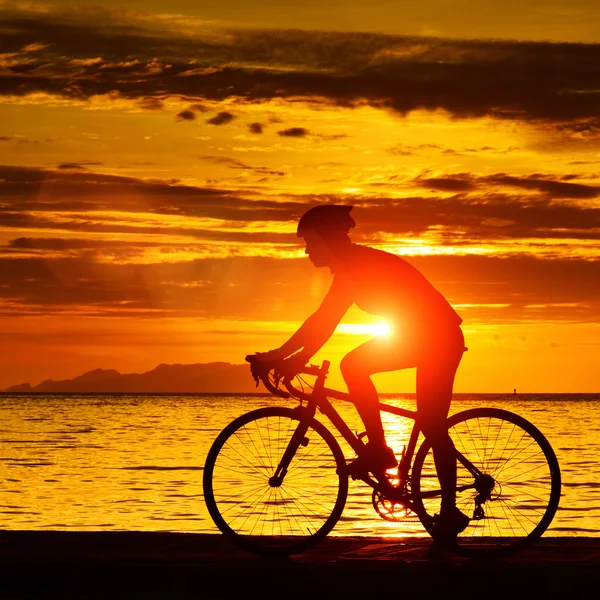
(547, 185)
(410, 150)
(49, 273)
(554, 82)
(332, 136)
(264, 286)
(29, 243)
(585, 128)
(199, 288)
(542, 183)
(489, 211)
(19, 139)
(221, 118)
(407, 149)
(227, 161)
(84, 190)
(255, 127)
(186, 115)
(69, 166)
(447, 184)
(518, 282)
(151, 104)
(233, 163)
(294, 132)
(483, 218)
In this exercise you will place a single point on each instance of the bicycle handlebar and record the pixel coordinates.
(260, 370)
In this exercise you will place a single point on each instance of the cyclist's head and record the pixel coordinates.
(327, 220)
(325, 231)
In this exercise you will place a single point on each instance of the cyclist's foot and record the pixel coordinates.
(374, 458)
(447, 526)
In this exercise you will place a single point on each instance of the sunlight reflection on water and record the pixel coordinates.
(135, 462)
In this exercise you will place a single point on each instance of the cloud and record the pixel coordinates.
(255, 127)
(67, 166)
(186, 115)
(20, 139)
(554, 83)
(332, 136)
(294, 132)
(74, 190)
(221, 118)
(98, 244)
(202, 288)
(227, 161)
(151, 104)
(63, 244)
(233, 163)
(447, 184)
(492, 207)
(545, 184)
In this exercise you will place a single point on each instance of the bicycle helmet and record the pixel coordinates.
(327, 218)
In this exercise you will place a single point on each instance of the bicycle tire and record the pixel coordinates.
(266, 520)
(526, 482)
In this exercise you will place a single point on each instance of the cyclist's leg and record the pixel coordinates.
(375, 356)
(435, 380)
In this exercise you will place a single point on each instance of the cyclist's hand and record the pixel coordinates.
(291, 366)
(262, 362)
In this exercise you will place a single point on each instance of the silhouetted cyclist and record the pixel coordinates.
(426, 334)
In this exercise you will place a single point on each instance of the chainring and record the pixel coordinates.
(392, 510)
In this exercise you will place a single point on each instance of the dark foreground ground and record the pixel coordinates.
(59, 564)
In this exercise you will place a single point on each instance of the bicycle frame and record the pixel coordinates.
(510, 499)
(318, 399)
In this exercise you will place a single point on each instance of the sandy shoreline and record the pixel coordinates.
(101, 564)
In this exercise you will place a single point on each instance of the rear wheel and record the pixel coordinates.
(254, 511)
(512, 494)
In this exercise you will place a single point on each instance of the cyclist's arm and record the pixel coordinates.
(319, 327)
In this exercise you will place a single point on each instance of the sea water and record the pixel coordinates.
(135, 462)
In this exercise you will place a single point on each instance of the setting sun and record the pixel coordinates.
(381, 328)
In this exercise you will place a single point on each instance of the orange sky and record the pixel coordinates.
(155, 157)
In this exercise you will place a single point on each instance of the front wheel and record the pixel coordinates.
(508, 481)
(262, 515)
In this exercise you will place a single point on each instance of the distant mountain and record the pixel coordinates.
(217, 377)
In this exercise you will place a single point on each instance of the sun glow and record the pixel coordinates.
(379, 329)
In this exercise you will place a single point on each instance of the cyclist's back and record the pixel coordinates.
(384, 284)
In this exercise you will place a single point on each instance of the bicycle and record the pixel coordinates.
(276, 480)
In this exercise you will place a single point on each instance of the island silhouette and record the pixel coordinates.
(204, 378)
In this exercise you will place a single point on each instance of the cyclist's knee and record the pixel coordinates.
(436, 432)
(350, 368)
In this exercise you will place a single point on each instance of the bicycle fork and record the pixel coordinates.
(298, 439)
